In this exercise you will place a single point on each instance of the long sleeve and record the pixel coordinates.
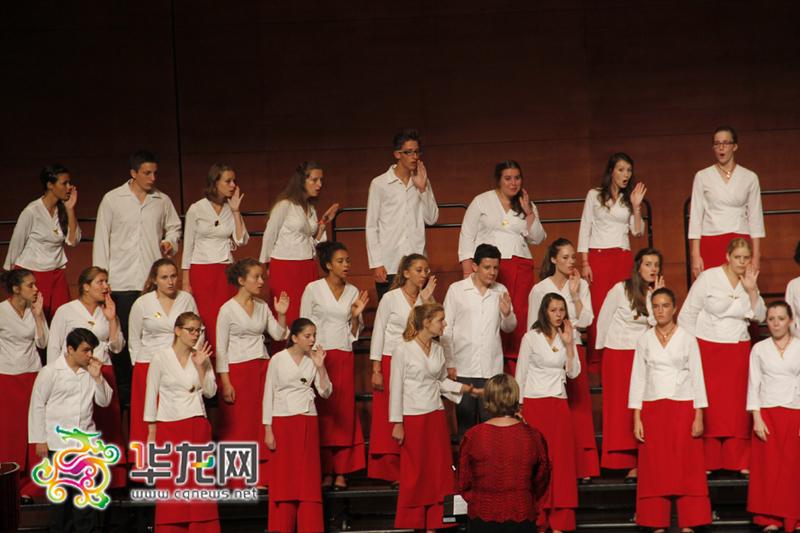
(276, 218)
(448, 388)
(58, 336)
(328, 390)
(172, 226)
(575, 370)
(151, 391)
(223, 339)
(18, 239)
(117, 345)
(793, 299)
(135, 324)
(606, 316)
(698, 209)
(37, 421)
(430, 211)
(755, 214)
(41, 340)
(696, 373)
(189, 233)
(536, 234)
(74, 240)
(447, 336)
(464, 472)
(469, 231)
(638, 375)
(687, 319)
(102, 392)
(274, 329)
(210, 382)
(585, 231)
(541, 476)
(754, 382)
(587, 315)
(508, 323)
(396, 385)
(268, 404)
(523, 362)
(101, 246)
(374, 253)
(378, 329)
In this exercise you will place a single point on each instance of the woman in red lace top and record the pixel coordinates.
(503, 468)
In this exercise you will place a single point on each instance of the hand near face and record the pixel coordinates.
(567, 336)
(38, 305)
(199, 356)
(95, 368)
(109, 308)
(427, 293)
(660, 283)
(359, 305)
(235, 201)
(575, 283)
(637, 195)
(420, 177)
(318, 356)
(525, 202)
(749, 279)
(505, 304)
(72, 200)
(281, 305)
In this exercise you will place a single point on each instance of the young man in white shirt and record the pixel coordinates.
(136, 225)
(64, 395)
(476, 309)
(399, 205)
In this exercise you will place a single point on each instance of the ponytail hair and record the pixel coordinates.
(417, 318)
(50, 174)
(405, 264)
(240, 269)
(14, 278)
(325, 252)
(548, 267)
(184, 318)
(296, 328)
(150, 283)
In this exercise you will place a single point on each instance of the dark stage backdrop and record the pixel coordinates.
(558, 86)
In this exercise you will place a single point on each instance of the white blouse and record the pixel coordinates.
(390, 322)
(793, 299)
(331, 316)
(38, 240)
(619, 326)
(542, 368)
(604, 227)
(240, 337)
(419, 381)
(546, 286)
(719, 207)
(774, 380)
(288, 390)
(209, 238)
(290, 233)
(471, 339)
(671, 372)
(75, 315)
(716, 312)
(18, 341)
(63, 397)
(151, 329)
(174, 391)
(486, 221)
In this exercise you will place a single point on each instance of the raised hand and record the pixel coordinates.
(95, 369)
(37, 306)
(330, 213)
(235, 201)
(318, 356)
(427, 293)
(637, 195)
(109, 308)
(749, 279)
(72, 200)
(359, 305)
(281, 305)
(575, 283)
(660, 283)
(525, 203)
(567, 334)
(420, 177)
(505, 304)
(199, 356)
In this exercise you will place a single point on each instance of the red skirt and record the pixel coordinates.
(291, 277)
(587, 463)
(384, 453)
(775, 466)
(671, 461)
(617, 418)
(609, 267)
(195, 430)
(714, 248)
(109, 421)
(53, 289)
(241, 421)
(14, 446)
(211, 290)
(426, 461)
(294, 466)
(339, 426)
(726, 368)
(139, 428)
(517, 276)
(552, 418)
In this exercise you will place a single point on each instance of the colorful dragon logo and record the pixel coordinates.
(85, 468)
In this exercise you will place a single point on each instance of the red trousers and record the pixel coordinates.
(384, 453)
(290, 277)
(587, 463)
(14, 446)
(211, 290)
(619, 444)
(139, 428)
(517, 276)
(714, 248)
(109, 421)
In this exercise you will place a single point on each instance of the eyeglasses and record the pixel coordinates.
(717, 144)
(409, 153)
(193, 330)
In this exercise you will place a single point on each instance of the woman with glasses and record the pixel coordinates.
(610, 213)
(726, 204)
(151, 329)
(506, 218)
(242, 358)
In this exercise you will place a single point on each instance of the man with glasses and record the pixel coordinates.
(400, 203)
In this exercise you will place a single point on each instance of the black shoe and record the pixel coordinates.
(585, 481)
(630, 479)
(26, 500)
(264, 491)
(395, 485)
(339, 488)
(713, 475)
(742, 475)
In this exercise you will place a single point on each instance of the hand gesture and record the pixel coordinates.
(638, 429)
(525, 203)
(72, 200)
(427, 293)
(330, 213)
(568, 333)
(166, 248)
(38, 305)
(586, 272)
(420, 177)
(637, 195)
(505, 304)
(95, 369)
(359, 305)
(109, 308)
(749, 279)
(575, 283)
(199, 356)
(228, 393)
(476, 393)
(235, 201)
(318, 356)
(281, 305)
(697, 266)
(660, 283)
(269, 438)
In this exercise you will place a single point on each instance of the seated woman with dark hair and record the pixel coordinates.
(503, 495)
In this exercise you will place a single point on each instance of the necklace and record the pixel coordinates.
(22, 314)
(778, 347)
(667, 334)
(413, 298)
(727, 174)
(427, 346)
